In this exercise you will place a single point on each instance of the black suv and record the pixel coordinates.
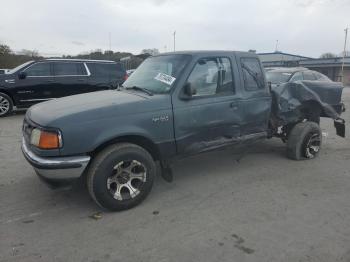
(3, 71)
(38, 81)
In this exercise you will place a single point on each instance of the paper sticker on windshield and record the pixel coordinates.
(167, 79)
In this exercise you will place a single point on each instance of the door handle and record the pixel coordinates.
(234, 106)
(81, 80)
(50, 81)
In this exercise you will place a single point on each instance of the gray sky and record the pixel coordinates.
(306, 27)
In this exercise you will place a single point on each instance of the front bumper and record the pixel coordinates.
(56, 168)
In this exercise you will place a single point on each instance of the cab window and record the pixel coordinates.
(212, 76)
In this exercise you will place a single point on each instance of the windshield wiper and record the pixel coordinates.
(145, 90)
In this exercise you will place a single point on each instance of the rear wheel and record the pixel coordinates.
(304, 141)
(6, 105)
(121, 176)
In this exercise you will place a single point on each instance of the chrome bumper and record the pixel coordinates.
(56, 168)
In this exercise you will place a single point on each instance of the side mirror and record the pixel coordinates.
(189, 90)
(22, 75)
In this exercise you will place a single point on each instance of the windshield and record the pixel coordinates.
(157, 74)
(277, 77)
(14, 70)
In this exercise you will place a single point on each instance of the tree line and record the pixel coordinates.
(332, 55)
(10, 59)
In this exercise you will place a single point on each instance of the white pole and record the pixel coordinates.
(109, 42)
(276, 49)
(342, 66)
(174, 39)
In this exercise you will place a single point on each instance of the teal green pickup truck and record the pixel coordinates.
(174, 105)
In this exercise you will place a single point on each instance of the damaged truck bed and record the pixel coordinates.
(310, 100)
(173, 105)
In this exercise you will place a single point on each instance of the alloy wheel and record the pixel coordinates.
(312, 145)
(4, 105)
(127, 179)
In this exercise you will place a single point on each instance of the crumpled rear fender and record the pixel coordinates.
(289, 99)
(292, 100)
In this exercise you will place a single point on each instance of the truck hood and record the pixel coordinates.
(95, 105)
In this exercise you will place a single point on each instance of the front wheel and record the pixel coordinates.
(304, 141)
(6, 105)
(121, 176)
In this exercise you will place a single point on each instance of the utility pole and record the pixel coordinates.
(174, 39)
(342, 66)
(109, 39)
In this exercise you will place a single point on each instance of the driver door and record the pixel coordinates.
(210, 118)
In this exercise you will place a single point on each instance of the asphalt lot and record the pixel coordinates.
(231, 205)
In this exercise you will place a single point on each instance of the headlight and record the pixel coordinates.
(45, 139)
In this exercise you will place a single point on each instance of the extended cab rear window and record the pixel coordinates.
(252, 74)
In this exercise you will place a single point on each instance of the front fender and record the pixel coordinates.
(82, 138)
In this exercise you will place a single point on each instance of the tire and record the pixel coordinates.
(6, 105)
(304, 141)
(121, 176)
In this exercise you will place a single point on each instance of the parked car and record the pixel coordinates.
(291, 74)
(173, 105)
(38, 81)
(272, 68)
(3, 71)
(130, 71)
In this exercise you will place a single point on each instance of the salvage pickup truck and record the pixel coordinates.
(174, 105)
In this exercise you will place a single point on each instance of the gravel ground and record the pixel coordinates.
(230, 205)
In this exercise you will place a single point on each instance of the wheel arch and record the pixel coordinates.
(312, 106)
(139, 140)
(3, 90)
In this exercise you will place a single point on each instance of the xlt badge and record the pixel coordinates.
(160, 118)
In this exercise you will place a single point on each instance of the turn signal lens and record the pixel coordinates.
(49, 140)
(45, 139)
